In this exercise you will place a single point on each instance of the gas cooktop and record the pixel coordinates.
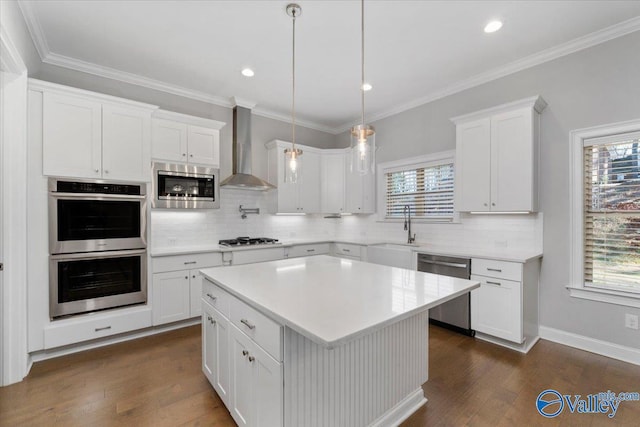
(249, 241)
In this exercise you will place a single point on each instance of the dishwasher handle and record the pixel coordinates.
(446, 264)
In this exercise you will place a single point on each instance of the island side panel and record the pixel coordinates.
(358, 382)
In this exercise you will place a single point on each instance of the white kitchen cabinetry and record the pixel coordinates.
(215, 350)
(181, 138)
(359, 189)
(348, 251)
(333, 181)
(506, 304)
(257, 255)
(177, 286)
(307, 250)
(90, 135)
(304, 195)
(497, 152)
(248, 378)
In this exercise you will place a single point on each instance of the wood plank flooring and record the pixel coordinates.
(157, 381)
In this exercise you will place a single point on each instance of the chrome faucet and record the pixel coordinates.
(407, 224)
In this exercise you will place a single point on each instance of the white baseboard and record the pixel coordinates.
(75, 348)
(603, 348)
(402, 410)
(528, 343)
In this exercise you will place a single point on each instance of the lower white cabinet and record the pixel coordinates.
(505, 305)
(307, 250)
(215, 350)
(348, 251)
(257, 255)
(247, 378)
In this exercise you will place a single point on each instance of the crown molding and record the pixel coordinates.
(572, 46)
(10, 59)
(242, 102)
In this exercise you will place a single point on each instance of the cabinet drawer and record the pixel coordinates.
(499, 269)
(184, 262)
(306, 250)
(95, 325)
(257, 255)
(258, 327)
(216, 297)
(347, 249)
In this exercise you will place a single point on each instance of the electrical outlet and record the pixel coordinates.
(631, 321)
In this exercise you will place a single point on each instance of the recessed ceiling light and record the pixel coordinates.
(248, 72)
(366, 87)
(493, 26)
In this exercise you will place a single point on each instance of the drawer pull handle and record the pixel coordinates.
(246, 323)
(311, 250)
(251, 359)
(190, 262)
(494, 269)
(103, 329)
(212, 297)
(346, 250)
(494, 283)
(245, 352)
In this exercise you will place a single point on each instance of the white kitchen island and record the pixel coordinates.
(320, 341)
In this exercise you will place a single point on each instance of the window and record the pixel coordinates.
(424, 184)
(606, 209)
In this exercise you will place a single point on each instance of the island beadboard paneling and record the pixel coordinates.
(321, 390)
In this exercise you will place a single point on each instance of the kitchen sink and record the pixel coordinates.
(391, 254)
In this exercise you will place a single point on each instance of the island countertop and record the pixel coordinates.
(331, 300)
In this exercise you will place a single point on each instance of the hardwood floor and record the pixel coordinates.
(157, 381)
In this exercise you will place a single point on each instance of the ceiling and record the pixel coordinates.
(416, 51)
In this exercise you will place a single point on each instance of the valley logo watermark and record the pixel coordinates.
(550, 403)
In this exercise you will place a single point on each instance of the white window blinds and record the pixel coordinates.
(428, 191)
(612, 214)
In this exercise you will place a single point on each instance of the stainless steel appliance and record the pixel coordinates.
(249, 241)
(97, 241)
(87, 216)
(90, 281)
(181, 186)
(454, 314)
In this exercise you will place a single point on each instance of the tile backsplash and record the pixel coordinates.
(204, 227)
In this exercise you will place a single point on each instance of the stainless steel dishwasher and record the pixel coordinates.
(454, 314)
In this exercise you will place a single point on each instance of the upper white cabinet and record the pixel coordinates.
(497, 158)
(359, 189)
(333, 181)
(90, 135)
(181, 138)
(304, 195)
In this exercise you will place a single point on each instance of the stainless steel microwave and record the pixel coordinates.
(181, 186)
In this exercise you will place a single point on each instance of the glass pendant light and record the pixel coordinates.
(363, 136)
(292, 156)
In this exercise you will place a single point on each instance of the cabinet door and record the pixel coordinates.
(309, 188)
(268, 390)
(354, 186)
(512, 161)
(203, 146)
(473, 166)
(496, 308)
(333, 183)
(242, 401)
(215, 351)
(169, 140)
(287, 193)
(71, 136)
(126, 143)
(195, 292)
(171, 301)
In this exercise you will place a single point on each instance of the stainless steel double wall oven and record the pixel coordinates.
(97, 245)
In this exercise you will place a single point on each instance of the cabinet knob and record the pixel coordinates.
(190, 155)
(186, 277)
(184, 154)
(213, 322)
(485, 204)
(97, 170)
(251, 358)
(194, 276)
(106, 171)
(245, 352)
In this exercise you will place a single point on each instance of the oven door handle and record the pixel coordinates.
(96, 255)
(97, 196)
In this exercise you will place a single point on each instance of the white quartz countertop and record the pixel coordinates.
(331, 300)
(501, 254)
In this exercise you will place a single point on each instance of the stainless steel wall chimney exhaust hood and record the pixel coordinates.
(242, 178)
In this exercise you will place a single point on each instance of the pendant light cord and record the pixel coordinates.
(293, 83)
(362, 56)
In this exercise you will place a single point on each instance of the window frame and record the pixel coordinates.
(577, 286)
(429, 160)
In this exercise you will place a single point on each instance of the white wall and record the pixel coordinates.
(590, 87)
